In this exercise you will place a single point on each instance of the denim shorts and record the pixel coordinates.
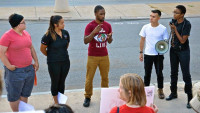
(19, 83)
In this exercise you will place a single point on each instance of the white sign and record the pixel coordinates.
(110, 98)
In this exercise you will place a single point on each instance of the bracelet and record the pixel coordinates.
(141, 51)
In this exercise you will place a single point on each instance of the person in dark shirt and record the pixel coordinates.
(54, 45)
(180, 53)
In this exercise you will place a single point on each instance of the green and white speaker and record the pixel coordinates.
(162, 46)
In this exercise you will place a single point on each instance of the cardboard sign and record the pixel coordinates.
(149, 94)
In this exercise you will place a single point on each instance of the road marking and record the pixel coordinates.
(133, 23)
(118, 23)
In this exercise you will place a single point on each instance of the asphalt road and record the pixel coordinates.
(12, 3)
(123, 52)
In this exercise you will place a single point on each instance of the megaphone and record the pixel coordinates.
(162, 46)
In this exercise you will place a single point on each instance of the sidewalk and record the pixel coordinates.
(113, 12)
(76, 98)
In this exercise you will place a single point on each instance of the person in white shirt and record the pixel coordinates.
(150, 34)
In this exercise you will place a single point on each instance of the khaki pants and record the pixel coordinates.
(103, 63)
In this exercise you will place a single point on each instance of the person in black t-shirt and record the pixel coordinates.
(180, 53)
(54, 45)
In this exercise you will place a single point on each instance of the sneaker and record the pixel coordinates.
(161, 94)
(86, 102)
(172, 96)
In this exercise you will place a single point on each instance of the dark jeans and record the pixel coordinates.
(58, 72)
(182, 57)
(157, 60)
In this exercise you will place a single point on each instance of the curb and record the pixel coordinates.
(89, 19)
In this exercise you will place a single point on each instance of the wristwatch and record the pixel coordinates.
(141, 51)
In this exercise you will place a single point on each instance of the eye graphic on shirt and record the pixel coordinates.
(101, 37)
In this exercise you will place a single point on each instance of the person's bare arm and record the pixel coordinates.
(110, 39)
(88, 38)
(34, 55)
(142, 40)
(43, 49)
(4, 58)
(183, 38)
(67, 45)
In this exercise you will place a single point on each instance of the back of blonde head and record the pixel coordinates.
(134, 86)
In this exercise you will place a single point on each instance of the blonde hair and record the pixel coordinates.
(134, 87)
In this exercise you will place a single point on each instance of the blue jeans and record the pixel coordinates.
(182, 57)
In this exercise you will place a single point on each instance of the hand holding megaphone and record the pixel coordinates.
(162, 46)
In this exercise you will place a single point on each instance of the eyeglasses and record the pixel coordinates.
(176, 13)
(22, 23)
